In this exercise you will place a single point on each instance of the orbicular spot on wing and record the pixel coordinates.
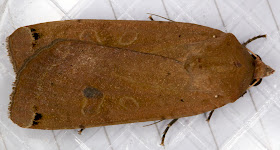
(128, 38)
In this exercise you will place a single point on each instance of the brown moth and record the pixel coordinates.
(86, 73)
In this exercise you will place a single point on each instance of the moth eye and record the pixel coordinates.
(255, 57)
(259, 82)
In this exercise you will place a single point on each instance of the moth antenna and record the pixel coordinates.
(253, 84)
(159, 16)
(254, 38)
(251, 40)
(153, 123)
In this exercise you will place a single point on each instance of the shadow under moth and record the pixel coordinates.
(88, 73)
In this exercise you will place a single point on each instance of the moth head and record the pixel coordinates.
(261, 70)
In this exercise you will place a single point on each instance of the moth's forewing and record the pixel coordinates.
(168, 39)
(70, 83)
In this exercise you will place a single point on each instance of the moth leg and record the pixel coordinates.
(159, 16)
(81, 130)
(259, 82)
(153, 123)
(243, 94)
(151, 18)
(252, 39)
(166, 129)
(210, 115)
(256, 82)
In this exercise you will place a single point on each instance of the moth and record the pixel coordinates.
(87, 73)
